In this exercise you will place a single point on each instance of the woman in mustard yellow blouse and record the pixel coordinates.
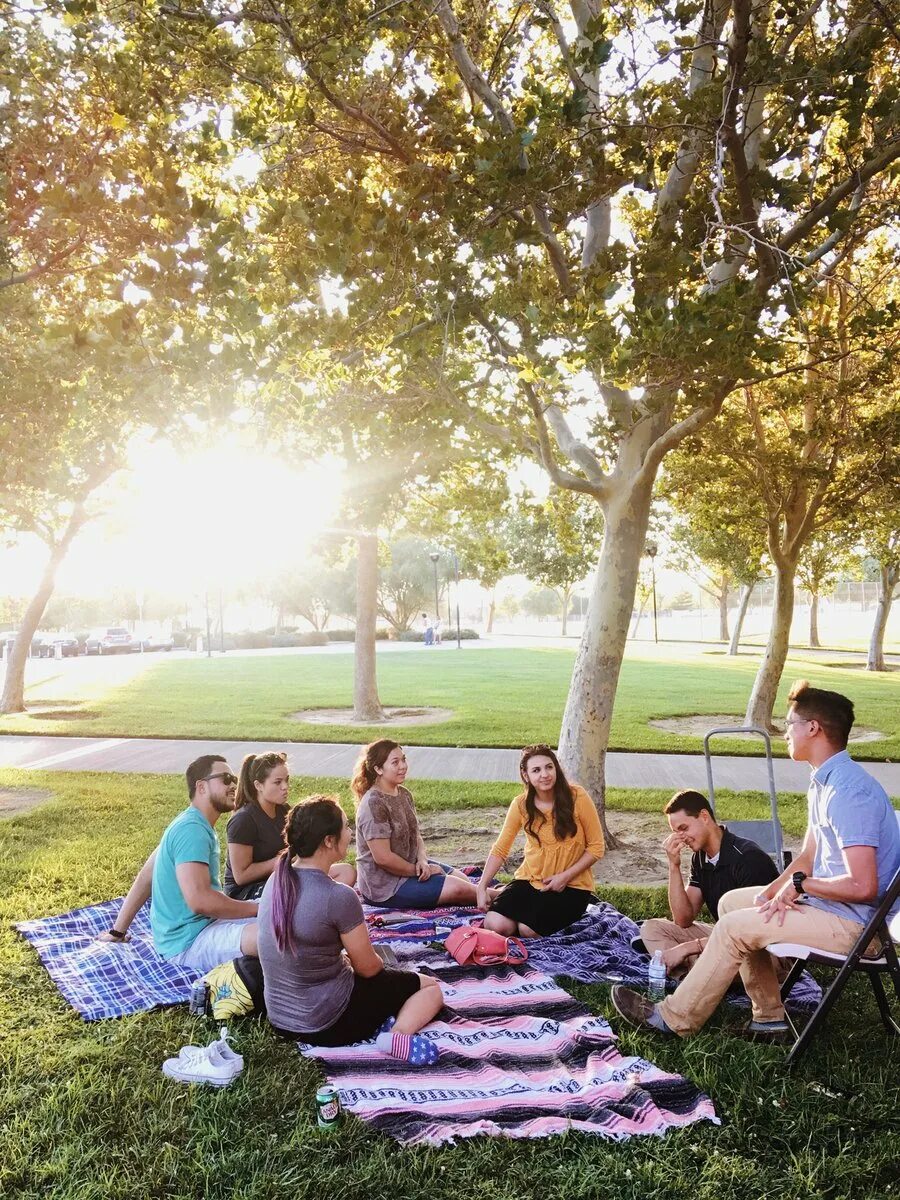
(563, 840)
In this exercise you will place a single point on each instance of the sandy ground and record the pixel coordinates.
(393, 716)
(699, 726)
(466, 836)
(14, 801)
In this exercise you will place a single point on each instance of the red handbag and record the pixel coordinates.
(473, 946)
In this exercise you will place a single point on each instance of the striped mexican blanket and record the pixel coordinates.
(520, 1058)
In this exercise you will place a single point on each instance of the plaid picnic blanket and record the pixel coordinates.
(100, 979)
(596, 949)
(519, 1058)
(103, 980)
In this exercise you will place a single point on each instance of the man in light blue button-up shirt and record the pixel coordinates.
(850, 853)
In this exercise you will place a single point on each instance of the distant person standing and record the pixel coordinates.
(427, 630)
(436, 630)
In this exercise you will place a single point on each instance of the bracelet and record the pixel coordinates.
(117, 934)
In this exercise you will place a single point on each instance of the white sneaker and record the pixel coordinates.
(225, 1052)
(199, 1064)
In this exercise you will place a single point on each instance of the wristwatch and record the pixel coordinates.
(797, 880)
(116, 934)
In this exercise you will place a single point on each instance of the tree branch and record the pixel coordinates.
(475, 80)
(42, 268)
(874, 166)
(687, 158)
(561, 478)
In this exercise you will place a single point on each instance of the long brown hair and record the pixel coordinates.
(374, 755)
(256, 768)
(563, 797)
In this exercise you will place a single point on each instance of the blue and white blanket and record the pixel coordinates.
(100, 979)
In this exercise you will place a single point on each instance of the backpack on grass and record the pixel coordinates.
(235, 989)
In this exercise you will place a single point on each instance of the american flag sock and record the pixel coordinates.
(409, 1047)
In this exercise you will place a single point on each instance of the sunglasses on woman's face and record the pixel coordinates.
(226, 775)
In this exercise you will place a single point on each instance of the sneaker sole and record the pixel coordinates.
(186, 1077)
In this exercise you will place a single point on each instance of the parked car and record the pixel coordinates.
(113, 640)
(156, 641)
(47, 643)
(8, 640)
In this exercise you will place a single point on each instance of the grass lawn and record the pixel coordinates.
(502, 697)
(85, 1113)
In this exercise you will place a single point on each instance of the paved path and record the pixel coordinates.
(161, 756)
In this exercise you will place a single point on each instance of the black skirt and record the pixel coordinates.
(544, 912)
(372, 1001)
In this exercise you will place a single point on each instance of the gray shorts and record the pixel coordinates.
(216, 943)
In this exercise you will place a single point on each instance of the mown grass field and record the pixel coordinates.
(498, 697)
(85, 1113)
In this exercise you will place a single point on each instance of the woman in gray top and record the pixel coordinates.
(323, 981)
(393, 868)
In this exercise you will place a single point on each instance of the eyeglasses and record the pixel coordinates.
(799, 720)
(226, 775)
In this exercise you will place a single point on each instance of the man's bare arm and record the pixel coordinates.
(138, 895)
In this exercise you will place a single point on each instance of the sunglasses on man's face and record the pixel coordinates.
(226, 775)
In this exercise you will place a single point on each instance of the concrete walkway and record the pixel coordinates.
(162, 756)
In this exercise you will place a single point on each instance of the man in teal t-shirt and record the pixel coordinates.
(194, 923)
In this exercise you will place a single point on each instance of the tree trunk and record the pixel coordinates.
(814, 620)
(739, 619)
(761, 704)
(13, 697)
(889, 578)
(366, 704)
(586, 723)
(723, 613)
(566, 597)
(491, 608)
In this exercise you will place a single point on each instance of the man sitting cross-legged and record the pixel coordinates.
(850, 853)
(194, 923)
(720, 862)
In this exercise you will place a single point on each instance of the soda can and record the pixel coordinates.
(199, 996)
(328, 1107)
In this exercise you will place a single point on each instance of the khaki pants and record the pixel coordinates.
(737, 943)
(659, 934)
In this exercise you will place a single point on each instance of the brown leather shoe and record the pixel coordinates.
(634, 1008)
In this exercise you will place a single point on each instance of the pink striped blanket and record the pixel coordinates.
(519, 1058)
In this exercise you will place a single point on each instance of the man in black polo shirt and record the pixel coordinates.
(720, 862)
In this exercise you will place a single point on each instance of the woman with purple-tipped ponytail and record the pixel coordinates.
(324, 983)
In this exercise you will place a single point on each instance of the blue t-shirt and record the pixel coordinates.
(189, 838)
(847, 807)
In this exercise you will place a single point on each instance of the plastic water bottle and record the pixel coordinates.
(656, 978)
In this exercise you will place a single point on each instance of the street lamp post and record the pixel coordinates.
(456, 572)
(651, 550)
(434, 556)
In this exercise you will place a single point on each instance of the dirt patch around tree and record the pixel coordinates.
(698, 725)
(393, 716)
(15, 801)
(465, 836)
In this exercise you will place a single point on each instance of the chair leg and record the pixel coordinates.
(792, 976)
(825, 1006)
(883, 1007)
